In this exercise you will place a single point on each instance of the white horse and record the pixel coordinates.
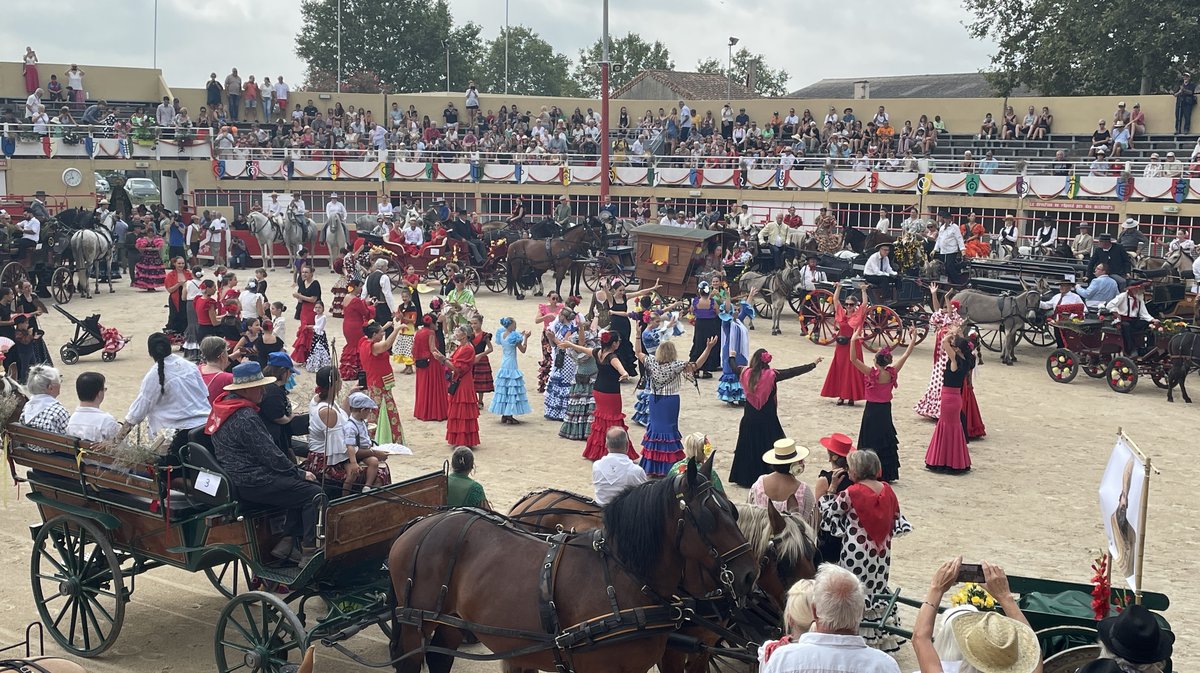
(295, 238)
(267, 231)
(89, 246)
(337, 237)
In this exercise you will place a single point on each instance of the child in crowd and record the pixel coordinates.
(260, 276)
(318, 352)
(302, 259)
(357, 434)
(278, 321)
(89, 422)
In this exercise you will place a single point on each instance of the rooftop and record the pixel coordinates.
(946, 85)
(692, 85)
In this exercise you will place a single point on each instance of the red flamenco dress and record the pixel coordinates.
(306, 315)
(843, 381)
(462, 426)
(948, 447)
(355, 315)
(972, 420)
(431, 400)
(380, 381)
(607, 414)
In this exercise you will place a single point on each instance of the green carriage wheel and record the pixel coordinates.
(231, 578)
(258, 633)
(77, 585)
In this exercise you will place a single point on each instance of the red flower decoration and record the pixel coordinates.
(1101, 588)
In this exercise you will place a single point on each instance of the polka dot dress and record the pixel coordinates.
(871, 563)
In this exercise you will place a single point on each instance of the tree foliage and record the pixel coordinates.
(534, 68)
(767, 81)
(1084, 47)
(400, 40)
(361, 81)
(632, 51)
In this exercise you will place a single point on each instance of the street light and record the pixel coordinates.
(339, 46)
(505, 47)
(729, 70)
(446, 46)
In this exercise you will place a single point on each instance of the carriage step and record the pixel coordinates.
(619, 249)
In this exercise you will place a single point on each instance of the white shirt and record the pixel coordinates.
(1128, 306)
(274, 207)
(279, 327)
(184, 405)
(31, 105)
(298, 204)
(414, 235)
(1047, 235)
(335, 207)
(810, 277)
(685, 116)
(385, 209)
(33, 229)
(949, 239)
(192, 289)
(281, 91)
(1196, 275)
(883, 225)
(92, 424)
(828, 653)
(1186, 246)
(249, 301)
(75, 79)
(878, 265)
(165, 114)
(385, 287)
(1067, 297)
(614, 473)
(1154, 169)
(217, 227)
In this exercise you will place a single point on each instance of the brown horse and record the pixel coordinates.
(1184, 352)
(557, 254)
(785, 546)
(593, 602)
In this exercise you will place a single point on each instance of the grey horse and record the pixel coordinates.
(266, 231)
(89, 246)
(337, 238)
(1009, 312)
(775, 287)
(295, 238)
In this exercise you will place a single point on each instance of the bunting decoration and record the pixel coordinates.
(518, 173)
(612, 175)
(873, 182)
(254, 169)
(476, 171)
(780, 178)
(1180, 188)
(428, 170)
(289, 167)
(1022, 188)
(925, 183)
(1123, 187)
(564, 175)
(335, 167)
(8, 145)
(385, 170)
(972, 183)
(218, 168)
(739, 177)
(1073, 187)
(826, 180)
(89, 146)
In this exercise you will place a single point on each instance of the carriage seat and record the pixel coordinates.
(180, 508)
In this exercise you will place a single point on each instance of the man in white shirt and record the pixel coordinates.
(218, 231)
(668, 218)
(775, 236)
(884, 225)
(413, 234)
(335, 207)
(1067, 301)
(615, 472)
(742, 220)
(810, 275)
(31, 232)
(879, 271)
(179, 402)
(281, 95)
(949, 244)
(89, 422)
(1154, 168)
(164, 114)
(833, 643)
(378, 286)
(274, 207)
(1130, 309)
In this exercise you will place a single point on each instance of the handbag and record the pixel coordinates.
(842, 340)
(421, 363)
(453, 387)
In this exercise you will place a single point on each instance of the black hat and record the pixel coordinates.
(1105, 238)
(884, 244)
(460, 211)
(944, 213)
(1101, 666)
(1135, 636)
(812, 256)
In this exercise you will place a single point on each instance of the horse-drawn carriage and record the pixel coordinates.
(104, 523)
(670, 256)
(1095, 345)
(43, 266)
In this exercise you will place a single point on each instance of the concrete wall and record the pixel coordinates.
(1076, 115)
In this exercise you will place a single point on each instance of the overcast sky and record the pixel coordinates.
(196, 37)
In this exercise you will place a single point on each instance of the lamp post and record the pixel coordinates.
(729, 70)
(505, 47)
(155, 34)
(339, 46)
(605, 142)
(446, 46)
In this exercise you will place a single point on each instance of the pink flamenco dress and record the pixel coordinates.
(930, 404)
(948, 447)
(972, 419)
(843, 381)
(148, 272)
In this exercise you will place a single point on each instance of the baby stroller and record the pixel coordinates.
(91, 336)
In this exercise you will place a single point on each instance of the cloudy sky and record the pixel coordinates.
(199, 36)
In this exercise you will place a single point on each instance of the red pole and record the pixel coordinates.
(605, 142)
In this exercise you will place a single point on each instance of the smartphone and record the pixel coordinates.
(362, 379)
(970, 572)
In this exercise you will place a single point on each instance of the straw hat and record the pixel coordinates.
(785, 451)
(993, 643)
(248, 375)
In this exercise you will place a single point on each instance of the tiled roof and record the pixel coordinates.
(692, 85)
(949, 85)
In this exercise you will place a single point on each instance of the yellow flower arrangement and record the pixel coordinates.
(973, 594)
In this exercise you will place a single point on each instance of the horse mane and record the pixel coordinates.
(629, 522)
(797, 541)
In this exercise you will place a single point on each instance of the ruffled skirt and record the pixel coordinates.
(607, 415)
(462, 424)
(580, 406)
(662, 445)
(729, 389)
(641, 407)
(482, 375)
(318, 354)
(510, 398)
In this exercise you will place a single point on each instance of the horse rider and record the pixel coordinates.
(1010, 237)
(1114, 258)
(30, 229)
(332, 208)
(1132, 239)
(562, 212)
(1130, 309)
(460, 229)
(879, 271)
(1182, 244)
(102, 210)
(274, 209)
(775, 237)
(299, 214)
(1046, 237)
(949, 246)
(1083, 243)
(516, 221)
(1101, 289)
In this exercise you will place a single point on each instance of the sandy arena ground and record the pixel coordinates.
(1029, 504)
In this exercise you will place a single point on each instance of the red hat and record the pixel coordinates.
(838, 443)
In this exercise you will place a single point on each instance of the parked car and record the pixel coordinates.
(102, 186)
(142, 191)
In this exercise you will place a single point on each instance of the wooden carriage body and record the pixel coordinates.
(672, 256)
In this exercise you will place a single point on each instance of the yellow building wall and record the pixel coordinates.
(100, 82)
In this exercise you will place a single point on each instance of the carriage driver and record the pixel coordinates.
(30, 229)
(461, 230)
(335, 207)
(1130, 309)
(879, 271)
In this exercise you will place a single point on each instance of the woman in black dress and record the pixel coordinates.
(834, 480)
(7, 329)
(617, 301)
(760, 427)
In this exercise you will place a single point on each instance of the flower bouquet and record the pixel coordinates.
(974, 594)
(1168, 327)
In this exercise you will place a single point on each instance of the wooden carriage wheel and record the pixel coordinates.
(496, 278)
(12, 275)
(62, 285)
(598, 271)
(257, 631)
(1062, 365)
(882, 327)
(820, 315)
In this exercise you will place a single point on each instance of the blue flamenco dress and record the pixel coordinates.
(562, 373)
(510, 398)
(735, 339)
(662, 444)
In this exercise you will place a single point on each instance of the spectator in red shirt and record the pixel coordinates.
(793, 220)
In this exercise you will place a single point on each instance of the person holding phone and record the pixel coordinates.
(866, 516)
(958, 645)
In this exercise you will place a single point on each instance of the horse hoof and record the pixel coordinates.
(776, 332)
(537, 294)
(519, 297)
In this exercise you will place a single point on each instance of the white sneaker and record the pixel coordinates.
(368, 489)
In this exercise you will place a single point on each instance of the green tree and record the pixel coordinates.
(632, 51)
(1082, 47)
(534, 68)
(362, 81)
(400, 40)
(767, 81)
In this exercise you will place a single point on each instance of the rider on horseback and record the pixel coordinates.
(334, 208)
(298, 214)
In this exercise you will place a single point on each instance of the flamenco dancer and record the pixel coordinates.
(653, 334)
(972, 421)
(708, 326)
(948, 447)
(760, 427)
(510, 399)
(547, 313)
(462, 422)
(735, 351)
(662, 444)
(374, 352)
(577, 424)
(842, 381)
(307, 294)
(616, 301)
(607, 393)
(562, 368)
(482, 373)
(945, 320)
(356, 313)
(431, 402)
(877, 431)
(407, 312)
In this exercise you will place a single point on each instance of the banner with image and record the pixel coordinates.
(1122, 498)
